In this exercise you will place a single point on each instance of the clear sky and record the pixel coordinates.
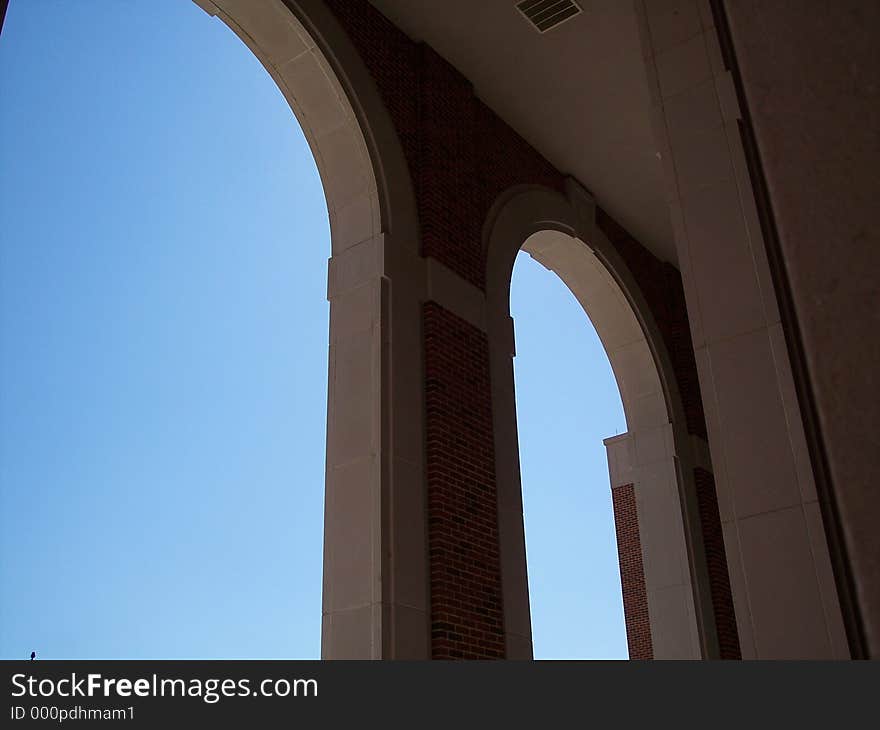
(163, 355)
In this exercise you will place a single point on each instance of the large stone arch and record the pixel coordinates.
(375, 599)
(653, 462)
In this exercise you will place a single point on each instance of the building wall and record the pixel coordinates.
(464, 556)
(461, 158)
(810, 75)
(415, 167)
(766, 117)
(781, 579)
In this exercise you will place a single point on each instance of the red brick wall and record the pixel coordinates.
(632, 573)
(716, 559)
(392, 60)
(466, 618)
(461, 157)
(450, 220)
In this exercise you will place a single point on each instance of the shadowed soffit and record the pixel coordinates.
(577, 93)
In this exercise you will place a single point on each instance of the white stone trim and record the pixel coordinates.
(560, 232)
(375, 602)
(778, 560)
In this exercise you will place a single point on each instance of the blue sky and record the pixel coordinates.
(163, 354)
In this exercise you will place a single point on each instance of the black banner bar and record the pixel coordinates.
(462, 694)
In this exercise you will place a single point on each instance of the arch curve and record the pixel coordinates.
(375, 603)
(356, 149)
(654, 458)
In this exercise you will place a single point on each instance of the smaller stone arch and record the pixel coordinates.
(666, 598)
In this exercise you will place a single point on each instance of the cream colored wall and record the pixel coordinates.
(811, 82)
(783, 589)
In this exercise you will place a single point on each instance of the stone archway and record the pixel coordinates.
(667, 598)
(375, 600)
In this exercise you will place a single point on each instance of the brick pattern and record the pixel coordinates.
(632, 573)
(469, 156)
(392, 60)
(506, 160)
(461, 157)
(466, 609)
(716, 559)
(450, 220)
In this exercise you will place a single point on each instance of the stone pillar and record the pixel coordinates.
(632, 573)
(644, 478)
(375, 572)
(783, 589)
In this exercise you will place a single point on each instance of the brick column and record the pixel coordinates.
(632, 573)
(465, 163)
(466, 613)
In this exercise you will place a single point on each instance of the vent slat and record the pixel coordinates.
(547, 14)
(558, 18)
(534, 8)
(555, 7)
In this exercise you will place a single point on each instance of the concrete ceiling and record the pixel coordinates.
(578, 94)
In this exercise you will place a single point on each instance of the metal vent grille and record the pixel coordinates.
(547, 14)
